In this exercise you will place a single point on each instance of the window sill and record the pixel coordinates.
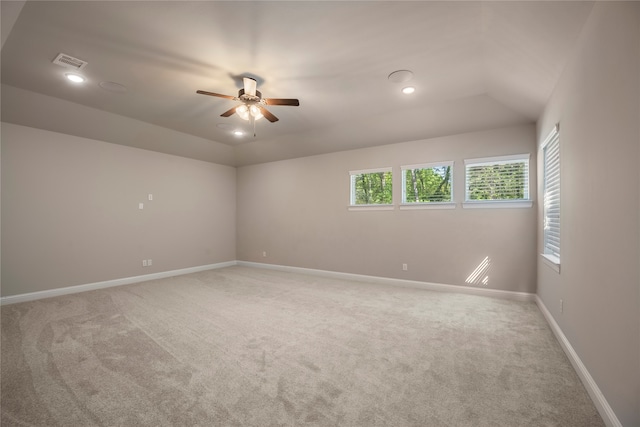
(430, 205)
(371, 207)
(551, 261)
(497, 204)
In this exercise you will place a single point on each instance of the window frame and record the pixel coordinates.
(368, 207)
(550, 252)
(450, 204)
(525, 202)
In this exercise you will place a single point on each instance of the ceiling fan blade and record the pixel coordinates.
(276, 101)
(204, 92)
(268, 115)
(250, 86)
(228, 112)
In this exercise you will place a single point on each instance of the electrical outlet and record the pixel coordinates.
(264, 254)
(144, 262)
(405, 267)
(149, 262)
(150, 197)
(140, 205)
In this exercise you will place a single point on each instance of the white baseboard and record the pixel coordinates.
(516, 296)
(109, 283)
(606, 412)
(495, 293)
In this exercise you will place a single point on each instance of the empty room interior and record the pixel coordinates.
(353, 213)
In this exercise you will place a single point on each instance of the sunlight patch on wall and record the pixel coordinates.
(480, 276)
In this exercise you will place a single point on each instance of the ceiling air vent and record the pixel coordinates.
(68, 61)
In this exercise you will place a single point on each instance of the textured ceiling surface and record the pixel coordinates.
(476, 65)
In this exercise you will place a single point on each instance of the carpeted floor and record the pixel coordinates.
(248, 347)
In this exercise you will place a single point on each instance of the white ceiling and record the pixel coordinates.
(477, 65)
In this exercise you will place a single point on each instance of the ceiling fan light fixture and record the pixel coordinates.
(243, 112)
(247, 111)
(255, 112)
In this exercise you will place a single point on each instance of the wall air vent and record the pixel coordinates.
(68, 61)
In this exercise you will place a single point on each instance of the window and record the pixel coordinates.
(551, 188)
(497, 182)
(371, 187)
(427, 184)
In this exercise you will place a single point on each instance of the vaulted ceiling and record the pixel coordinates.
(476, 65)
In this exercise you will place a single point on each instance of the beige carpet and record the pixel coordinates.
(250, 347)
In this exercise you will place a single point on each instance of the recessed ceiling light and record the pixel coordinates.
(409, 89)
(76, 78)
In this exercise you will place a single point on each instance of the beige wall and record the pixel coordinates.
(70, 211)
(296, 211)
(597, 104)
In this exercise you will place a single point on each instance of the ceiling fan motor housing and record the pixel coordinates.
(250, 98)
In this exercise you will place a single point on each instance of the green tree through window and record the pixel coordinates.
(498, 180)
(424, 184)
(372, 188)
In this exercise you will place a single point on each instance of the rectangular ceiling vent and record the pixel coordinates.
(68, 61)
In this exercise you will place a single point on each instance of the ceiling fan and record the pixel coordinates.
(253, 104)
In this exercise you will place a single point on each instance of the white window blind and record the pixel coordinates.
(497, 178)
(551, 183)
